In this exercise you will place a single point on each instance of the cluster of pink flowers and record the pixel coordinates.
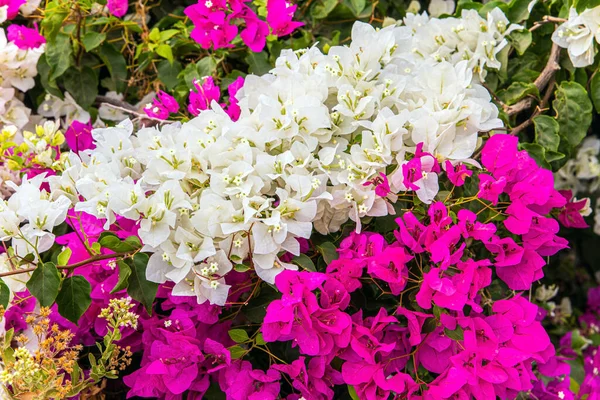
(162, 106)
(217, 23)
(200, 99)
(25, 38)
(206, 92)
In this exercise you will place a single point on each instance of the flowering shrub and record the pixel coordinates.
(277, 199)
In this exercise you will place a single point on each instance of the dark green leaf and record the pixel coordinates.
(595, 90)
(238, 335)
(518, 91)
(258, 63)
(518, 10)
(115, 62)
(206, 67)
(546, 132)
(4, 294)
(537, 153)
(44, 73)
(140, 288)
(520, 40)
(124, 274)
(58, 55)
(93, 39)
(305, 262)
(74, 298)
(112, 242)
(456, 334)
(358, 6)
(44, 284)
(167, 73)
(573, 112)
(328, 251)
(83, 85)
(323, 8)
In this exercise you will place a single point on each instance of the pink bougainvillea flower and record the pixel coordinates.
(163, 105)
(490, 188)
(458, 174)
(12, 7)
(118, 8)
(203, 96)
(279, 17)
(25, 38)
(214, 29)
(571, 216)
(381, 183)
(79, 136)
(233, 110)
(255, 34)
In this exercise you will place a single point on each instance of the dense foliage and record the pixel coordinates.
(316, 199)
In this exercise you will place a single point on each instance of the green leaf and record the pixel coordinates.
(83, 85)
(74, 298)
(124, 274)
(168, 34)
(52, 21)
(358, 6)
(518, 10)
(305, 262)
(328, 251)
(258, 63)
(546, 132)
(44, 284)
(4, 294)
(112, 242)
(323, 8)
(260, 340)
(93, 39)
(165, 51)
(168, 72)
(520, 40)
(115, 62)
(64, 257)
(154, 35)
(206, 67)
(595, 90)
(140, 288)
(489, 6)
(352, 393)
(456, 334)
(518, 91)
(237, 352)
(44, 73)
(241, 267)
(58, 55)
(573, 112)
(537, 153)
(238, 335)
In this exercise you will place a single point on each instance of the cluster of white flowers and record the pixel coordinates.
(577, 35)
(581, 175)
(29, 216)
(313, 137)
(18, 67)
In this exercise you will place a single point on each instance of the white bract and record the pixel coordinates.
(18, 67)
(314, 138)
(577, 35)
